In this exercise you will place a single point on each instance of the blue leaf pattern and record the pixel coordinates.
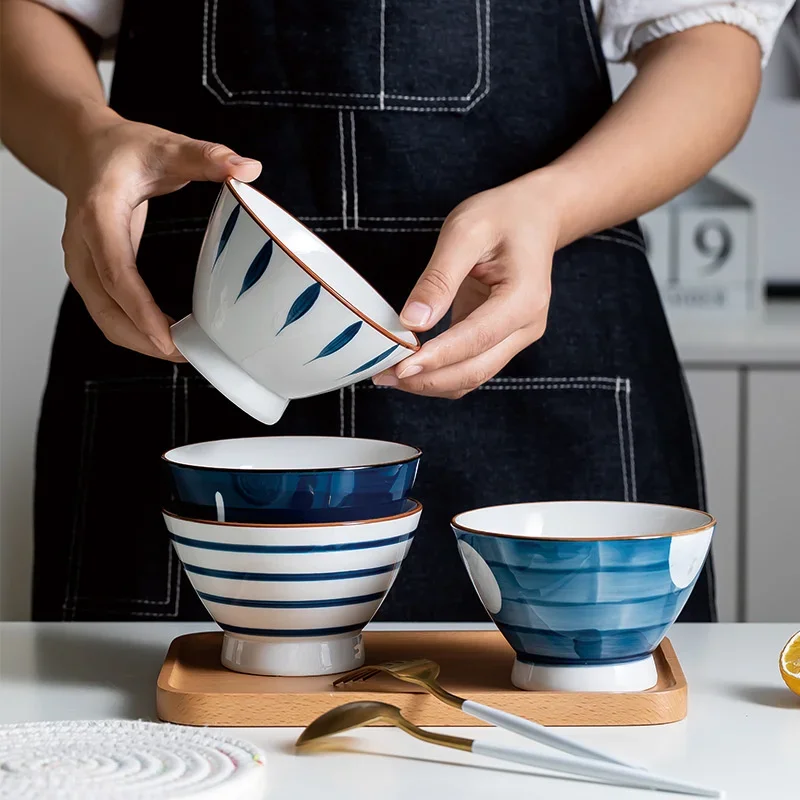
(372, 362)
(339, 342)
(257, 268)
(226, 233)
(302, 305)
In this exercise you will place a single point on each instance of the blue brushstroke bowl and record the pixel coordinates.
(589, 584)
(278, 315)
(289, 479)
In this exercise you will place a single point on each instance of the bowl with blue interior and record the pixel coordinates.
(288, 479)
(584, 592)
(292, 599)
(277, 314)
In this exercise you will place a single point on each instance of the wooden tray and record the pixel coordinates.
(195, 689)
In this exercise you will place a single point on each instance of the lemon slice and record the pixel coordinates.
(790, 663)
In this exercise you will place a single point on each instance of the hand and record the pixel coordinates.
(492, 263)
(116, 166)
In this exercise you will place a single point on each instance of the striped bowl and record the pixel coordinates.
(584, 591)
(293, 599)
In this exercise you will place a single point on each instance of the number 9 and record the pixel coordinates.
(713, 239)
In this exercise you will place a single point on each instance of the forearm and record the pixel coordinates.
(688, 106)
(51, 92)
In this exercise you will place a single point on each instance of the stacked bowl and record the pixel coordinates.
(292, 543)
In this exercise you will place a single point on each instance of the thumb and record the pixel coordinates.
(457, 251)
(207, 161)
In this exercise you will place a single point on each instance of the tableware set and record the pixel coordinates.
(293, 543)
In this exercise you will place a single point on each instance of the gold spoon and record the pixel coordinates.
(365, 712)
(424, 673)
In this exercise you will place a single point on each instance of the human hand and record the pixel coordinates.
(492, 263)
(109, 176)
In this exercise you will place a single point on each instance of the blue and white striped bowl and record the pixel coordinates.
(278, 315)
(594, 585)
(293, 599)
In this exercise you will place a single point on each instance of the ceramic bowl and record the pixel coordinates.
(289, 479)
(584, 591)
(293, 599)
(277, 315)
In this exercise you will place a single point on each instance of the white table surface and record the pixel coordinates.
(742, 733)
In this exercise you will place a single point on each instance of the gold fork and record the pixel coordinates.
(366, 712)
(424, 673)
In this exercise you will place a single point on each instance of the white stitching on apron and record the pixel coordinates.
(619, 240)
(173, 574)
(589, 39)
(352, 411)
(362, 229)
(382, 94)
(355, 168)
(629, 234)
(621, 440)
(79, 504)
(483, 68)
(205, 55)
(341, 411)
(343, 172)
(631, 453)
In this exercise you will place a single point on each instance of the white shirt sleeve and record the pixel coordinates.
(102, 16)
(627, 25)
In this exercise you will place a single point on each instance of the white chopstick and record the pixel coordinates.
(536, 732)
(591, 768)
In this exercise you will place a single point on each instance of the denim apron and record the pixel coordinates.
(373, 119)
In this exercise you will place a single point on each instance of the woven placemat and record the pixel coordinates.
(125, 760)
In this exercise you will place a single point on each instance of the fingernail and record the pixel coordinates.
(239, 161)
(416, 313)
(410, 371)
(161, 346)
(385, 380)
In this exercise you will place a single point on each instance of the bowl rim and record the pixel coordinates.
(416, 508)
(229, 183)
(415, 456)
(709, 525)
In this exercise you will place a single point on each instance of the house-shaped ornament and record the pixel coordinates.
(702, 249)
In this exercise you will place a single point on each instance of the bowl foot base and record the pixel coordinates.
(224, 374)
(632, 676)
(258, 655)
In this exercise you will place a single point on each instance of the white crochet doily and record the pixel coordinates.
(122, 760)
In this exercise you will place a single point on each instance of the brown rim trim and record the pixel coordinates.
(356, 468)
(712, 522)
(309, 271)
(415, 509)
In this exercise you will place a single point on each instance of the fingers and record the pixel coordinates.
(460, 246)
(195, 160)
(106, 229)
(107, 315)
(455, 381)
(506, 311)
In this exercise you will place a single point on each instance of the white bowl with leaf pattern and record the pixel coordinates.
(277, 315)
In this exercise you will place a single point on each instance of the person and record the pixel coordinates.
(466, 157)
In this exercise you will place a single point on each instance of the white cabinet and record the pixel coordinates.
(744, 377)
(716, 396)
(772, 547)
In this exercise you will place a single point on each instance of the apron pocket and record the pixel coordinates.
(396, 55)
(121, 563)
(513, 440)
